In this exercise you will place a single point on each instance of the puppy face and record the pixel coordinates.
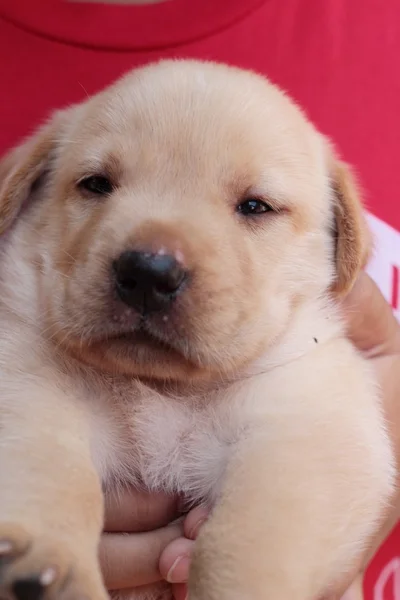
(183, 215)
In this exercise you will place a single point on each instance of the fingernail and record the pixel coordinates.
(193, 533)
(178, 573)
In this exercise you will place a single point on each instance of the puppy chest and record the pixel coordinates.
(164, 445)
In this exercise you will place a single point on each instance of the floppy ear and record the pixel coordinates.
(353, 241)
(22, 167)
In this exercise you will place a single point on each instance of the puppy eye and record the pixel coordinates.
(96, 184)
(253, 206)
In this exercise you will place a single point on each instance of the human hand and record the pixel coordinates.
(137, 528)
(141, 545)
(175, 558)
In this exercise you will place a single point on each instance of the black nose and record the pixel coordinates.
(148, 282)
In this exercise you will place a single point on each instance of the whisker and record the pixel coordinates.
(68, 254)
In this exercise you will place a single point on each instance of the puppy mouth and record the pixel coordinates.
(147, 336)
(140, 336)
(145, 354)
(157, 345)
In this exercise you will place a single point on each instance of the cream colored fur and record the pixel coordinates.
(245, 395)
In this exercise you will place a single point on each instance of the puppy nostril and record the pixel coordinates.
(127, 282)
(170, 276)
(148, 282)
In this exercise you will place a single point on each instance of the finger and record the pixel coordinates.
(180, 591)
(371, 324)
(135, 511)
(175, 560)
(194, 521)
(129, 561)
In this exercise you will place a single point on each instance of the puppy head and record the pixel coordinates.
(184, 213)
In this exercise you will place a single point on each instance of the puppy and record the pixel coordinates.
(169, 319)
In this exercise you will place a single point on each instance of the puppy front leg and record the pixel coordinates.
(292, 518)
(51, 506)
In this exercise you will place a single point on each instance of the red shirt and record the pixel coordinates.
(339, 58)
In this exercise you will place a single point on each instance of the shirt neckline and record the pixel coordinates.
(126, 27)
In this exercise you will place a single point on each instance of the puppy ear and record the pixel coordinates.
(22, 167)
(353, 242)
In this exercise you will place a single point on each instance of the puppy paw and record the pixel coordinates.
(33, 568)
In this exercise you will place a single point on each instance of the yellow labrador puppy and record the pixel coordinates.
(169, 319)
